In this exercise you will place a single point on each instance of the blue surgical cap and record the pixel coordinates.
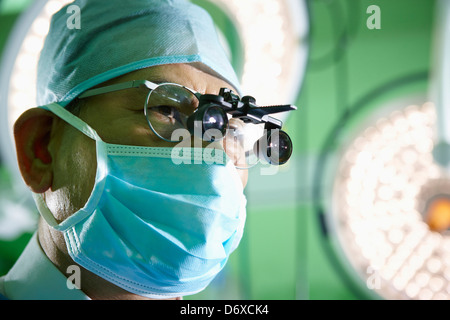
(117, 37)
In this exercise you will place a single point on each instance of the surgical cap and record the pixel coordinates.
(117, 37)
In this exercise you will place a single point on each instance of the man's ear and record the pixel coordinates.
(32, 132)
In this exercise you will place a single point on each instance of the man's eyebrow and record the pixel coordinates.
(144, 90)
(159, 80)
(129, 94)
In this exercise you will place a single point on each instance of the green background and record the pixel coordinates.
(281, 255)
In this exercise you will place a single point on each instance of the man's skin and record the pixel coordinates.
(59, 161)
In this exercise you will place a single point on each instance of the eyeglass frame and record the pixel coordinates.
(269, 121)
(137, 84)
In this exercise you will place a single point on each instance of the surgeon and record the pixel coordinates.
(131, 206)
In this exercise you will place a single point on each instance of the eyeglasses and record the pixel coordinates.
(174, 111)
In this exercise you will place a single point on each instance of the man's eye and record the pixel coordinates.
(168, 114)
(167, 111)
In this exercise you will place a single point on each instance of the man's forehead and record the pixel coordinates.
(158, 74)
(191, 76)
(182, 74)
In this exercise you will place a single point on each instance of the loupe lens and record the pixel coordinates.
(167, 109)
(275, 147)
(215, 118)
(279, 147)
(209, 121)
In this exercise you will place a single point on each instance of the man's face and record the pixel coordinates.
(118, 118)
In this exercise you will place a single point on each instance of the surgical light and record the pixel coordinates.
(385, 207)
(272, 32)
(18, 70)
(387, 202)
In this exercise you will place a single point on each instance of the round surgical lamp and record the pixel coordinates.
(273, 37)
(383, 219)
(382, 191)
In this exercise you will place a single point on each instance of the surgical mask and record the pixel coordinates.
(152, 227)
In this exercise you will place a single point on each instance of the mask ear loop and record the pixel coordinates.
(74, 121)
(45, 212)
(101, 173)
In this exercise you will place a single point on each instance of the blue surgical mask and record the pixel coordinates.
(150, 226)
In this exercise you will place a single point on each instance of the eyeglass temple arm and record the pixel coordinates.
(117, 87)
